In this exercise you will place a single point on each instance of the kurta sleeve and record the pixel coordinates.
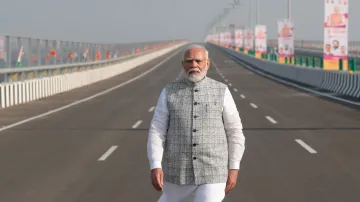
(157, 132)
(234, 131)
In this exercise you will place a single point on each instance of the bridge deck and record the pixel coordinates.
(56, 157)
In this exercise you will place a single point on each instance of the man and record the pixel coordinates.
(327, 49)
(336, 49)
(195, 140)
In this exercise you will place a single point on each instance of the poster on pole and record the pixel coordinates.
(222, 38)
(228, 39)
(336, 34)
(249, 41)
(260, 40)
(285, 40)
(239, 39)
(232, 38)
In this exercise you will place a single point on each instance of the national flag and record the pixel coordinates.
(21, 53)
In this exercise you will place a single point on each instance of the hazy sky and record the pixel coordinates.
(148, 20)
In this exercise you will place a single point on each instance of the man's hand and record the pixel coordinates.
(231, 181)
(157, 178)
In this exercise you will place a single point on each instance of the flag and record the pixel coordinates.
(21, 53)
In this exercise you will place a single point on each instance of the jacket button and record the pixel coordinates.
(195, 116)
(194, 130)
(195, 103)
(196, 90)
(194, 158)
(194, 144)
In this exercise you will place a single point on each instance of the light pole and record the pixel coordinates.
(257, 12)
(289, 9)
(249, 14)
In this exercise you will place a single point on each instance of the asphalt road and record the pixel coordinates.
(56, 157)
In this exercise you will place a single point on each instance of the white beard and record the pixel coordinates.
(194, 77)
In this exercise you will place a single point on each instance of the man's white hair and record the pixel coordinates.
(197, 46)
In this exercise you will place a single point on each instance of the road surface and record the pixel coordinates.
(298, 147)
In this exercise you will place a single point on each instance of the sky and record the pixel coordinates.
(128, 21)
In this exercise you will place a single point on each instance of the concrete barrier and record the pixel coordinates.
(343, 83)
(14, 93)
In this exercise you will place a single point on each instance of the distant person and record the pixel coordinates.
(195, 141)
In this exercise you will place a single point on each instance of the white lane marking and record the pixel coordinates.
(226, 80)
(253, 105)
(151, 109)
(90, 97)
(107, 153)
(299, 87)
(270, 119)
(230, 84)
(137, 124)
(307, 147)
(216, 67)
(242, 96)
(236, 90)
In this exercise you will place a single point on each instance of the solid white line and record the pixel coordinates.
(236, 90)
(151, 109)
(253, 105)
(137, 124)
(107, 153)
(307, 147)
(230, 84)
(242, 96)
(271, 119)
(91, 97)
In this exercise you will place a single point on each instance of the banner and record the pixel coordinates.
(239, 38)
(228, 39)
(260, 40)
(285, 40)
(222, 39)
(232, 43)
(249, 40)
(336, 34)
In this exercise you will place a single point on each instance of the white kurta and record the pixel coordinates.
(156, 139)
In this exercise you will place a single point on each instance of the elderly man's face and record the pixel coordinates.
(195, 64)
(327, 47)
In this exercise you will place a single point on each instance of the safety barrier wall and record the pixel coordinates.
(14, 93)
(38, 71)
(344, 83)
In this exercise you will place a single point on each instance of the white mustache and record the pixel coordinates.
(193, 70)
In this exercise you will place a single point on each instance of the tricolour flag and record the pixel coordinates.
(21, 53)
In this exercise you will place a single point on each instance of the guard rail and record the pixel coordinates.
(19, 92)
(340, 82)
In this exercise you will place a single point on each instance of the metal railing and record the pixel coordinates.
(344, 83)
(17, 51)
(23, 58)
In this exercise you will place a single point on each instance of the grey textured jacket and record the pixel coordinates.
(196, 149)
